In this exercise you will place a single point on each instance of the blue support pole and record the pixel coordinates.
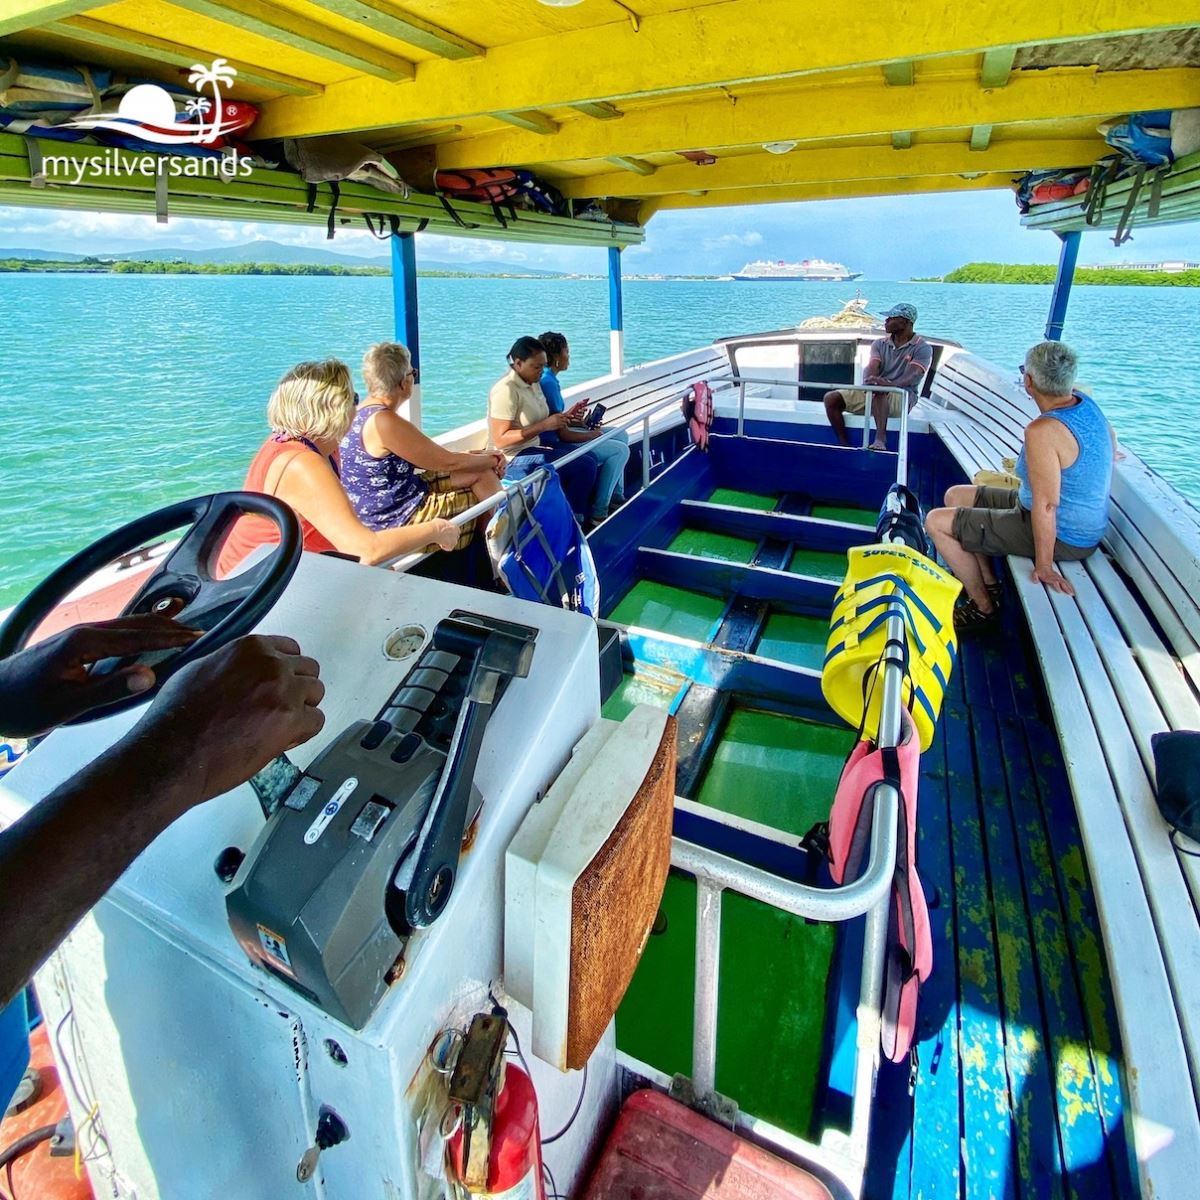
(616, 313)
(404, 303)
(1067, 256)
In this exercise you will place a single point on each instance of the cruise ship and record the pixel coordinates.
(809, 270)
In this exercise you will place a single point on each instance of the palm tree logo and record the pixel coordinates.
(219, 74)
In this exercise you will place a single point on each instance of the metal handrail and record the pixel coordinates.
(405, 561)
(716, 873)
(801, 385)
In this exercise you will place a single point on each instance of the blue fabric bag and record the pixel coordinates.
(1145, 137)
(14, 1047)
(539, 550)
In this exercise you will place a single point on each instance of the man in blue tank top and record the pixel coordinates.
(1060, 510)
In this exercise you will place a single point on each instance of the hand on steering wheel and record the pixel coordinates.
(183, 588)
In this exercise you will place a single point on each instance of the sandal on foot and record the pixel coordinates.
(968, 615)
(995, 593)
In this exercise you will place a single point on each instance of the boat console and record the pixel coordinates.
(254, 981)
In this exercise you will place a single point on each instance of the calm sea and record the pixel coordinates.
(119, 394)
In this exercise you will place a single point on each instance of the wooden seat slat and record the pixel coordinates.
(1158, 1072)
(1115, 678)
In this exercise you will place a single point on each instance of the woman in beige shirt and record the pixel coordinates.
(522, 427)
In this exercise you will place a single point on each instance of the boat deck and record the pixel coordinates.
(1017, 1089)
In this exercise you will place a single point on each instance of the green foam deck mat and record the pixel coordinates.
(701, 543)
(855, 516)
(823, 564)
(667, 609)
(797, 641)
(772, 1005)
(779, 771)
(736, 499)
(634, 690)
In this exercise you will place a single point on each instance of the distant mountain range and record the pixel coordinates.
(277, 252)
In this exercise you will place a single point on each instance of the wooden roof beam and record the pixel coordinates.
(419, 137)
(817, 165)
(699, 47)
(997, 66)
(109, 37)
(288, 28)
(845, 190)
(636, 165)
(981, 138)
(535, 122)
(404, 27)
(17, 15)
(819, 113)
(600, 110)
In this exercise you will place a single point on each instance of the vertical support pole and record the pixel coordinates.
(646, 451)
(1067, 256)
(616, 313)
(708, 974)
(404, 303)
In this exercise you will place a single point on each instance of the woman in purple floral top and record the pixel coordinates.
(395, 475)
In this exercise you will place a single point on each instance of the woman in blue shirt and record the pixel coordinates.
(610, 455)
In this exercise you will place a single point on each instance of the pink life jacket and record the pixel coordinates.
(697, 406)
(909, 941)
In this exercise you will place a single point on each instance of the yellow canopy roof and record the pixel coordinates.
(793, 99)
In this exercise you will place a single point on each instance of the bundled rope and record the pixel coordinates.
(853, 315)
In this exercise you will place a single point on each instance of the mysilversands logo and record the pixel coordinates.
(147, 112)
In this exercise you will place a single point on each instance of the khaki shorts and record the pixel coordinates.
(445, 502)
(856, 401)
(999, 526)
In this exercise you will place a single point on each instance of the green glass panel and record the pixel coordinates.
(856, 516)
(824, 564)
(771, 1008)
(738, 499)
(667, 609)
(779, 771)
(798, 641)
(704, 544)
(634, 690)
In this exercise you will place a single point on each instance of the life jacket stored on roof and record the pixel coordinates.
(909, 941)
(539, 550)
(880, 581)
(698, 410)
(490, 186)
(1041, 187)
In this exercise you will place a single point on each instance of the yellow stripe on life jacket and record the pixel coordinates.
(882, 580)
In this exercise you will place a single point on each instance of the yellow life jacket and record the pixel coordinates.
(882, 580)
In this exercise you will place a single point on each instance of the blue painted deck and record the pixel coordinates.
(1016, 1091)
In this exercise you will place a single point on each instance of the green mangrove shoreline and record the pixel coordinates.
(94, 266)
(986, 272)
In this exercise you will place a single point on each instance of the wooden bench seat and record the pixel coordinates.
(1121, 662)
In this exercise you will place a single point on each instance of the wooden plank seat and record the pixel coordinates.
(1121, 662)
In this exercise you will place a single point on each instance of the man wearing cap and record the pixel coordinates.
(898, 360)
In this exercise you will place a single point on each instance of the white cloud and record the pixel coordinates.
(750, 238)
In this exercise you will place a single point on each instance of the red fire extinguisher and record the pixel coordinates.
(496, 1151)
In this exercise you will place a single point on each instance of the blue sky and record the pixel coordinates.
(885, 238)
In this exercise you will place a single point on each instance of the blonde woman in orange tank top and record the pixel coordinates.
(310, 411)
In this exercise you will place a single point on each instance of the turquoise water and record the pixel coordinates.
(119, 394)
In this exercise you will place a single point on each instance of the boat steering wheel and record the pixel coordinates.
(183, 587)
